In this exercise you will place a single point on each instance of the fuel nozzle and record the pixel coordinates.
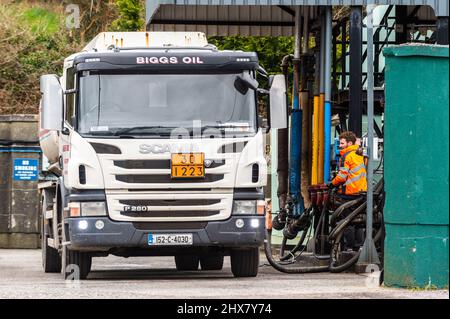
(279, 221)
(299, 224)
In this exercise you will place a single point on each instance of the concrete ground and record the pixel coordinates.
(21, 276)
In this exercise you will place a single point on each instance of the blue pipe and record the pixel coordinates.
(295, 153)
(327, 110)
(327, 142)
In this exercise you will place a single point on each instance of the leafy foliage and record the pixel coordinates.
(31, 44)
(271, 50)
(130, 16)
(34, 40)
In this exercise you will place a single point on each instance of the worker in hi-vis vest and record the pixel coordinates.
(352, 168)
(352, 180)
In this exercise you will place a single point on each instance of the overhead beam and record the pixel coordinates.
(225, 22)
(288, 10)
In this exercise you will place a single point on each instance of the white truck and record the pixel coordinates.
(155, 148)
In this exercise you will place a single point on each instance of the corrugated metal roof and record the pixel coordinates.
(441, 7)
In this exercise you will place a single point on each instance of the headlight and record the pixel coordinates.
(93, 209)
(244, 207)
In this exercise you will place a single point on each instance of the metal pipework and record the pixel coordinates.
(327, 110)
(306, 110)
(283, 146)
(355, 84)
(296, 128)
(315, 129)
(321, 99)
(369, 253)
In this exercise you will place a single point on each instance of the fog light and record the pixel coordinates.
(254, 223)
(239, 223)
(83, 224)
(99, 224)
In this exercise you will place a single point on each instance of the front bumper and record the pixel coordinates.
(127, 234)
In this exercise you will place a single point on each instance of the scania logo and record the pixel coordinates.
(166, 148)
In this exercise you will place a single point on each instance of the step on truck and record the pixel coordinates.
(153, 147)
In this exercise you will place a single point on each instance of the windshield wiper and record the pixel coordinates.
(154, 129)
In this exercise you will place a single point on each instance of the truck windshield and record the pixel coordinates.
(156, 104)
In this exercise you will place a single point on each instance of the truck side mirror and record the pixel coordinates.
(278, 103)
(52, 102)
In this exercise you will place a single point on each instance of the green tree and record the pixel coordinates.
(270, 50)
(130, 15)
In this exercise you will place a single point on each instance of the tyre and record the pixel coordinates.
(213, 262)
(245, 263)
(51, 260)
(76, 265)
(187, 262)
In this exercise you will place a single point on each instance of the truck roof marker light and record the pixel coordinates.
(121, 42)
(74, 209)
(146, 39)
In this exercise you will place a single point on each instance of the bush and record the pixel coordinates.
(34, 41)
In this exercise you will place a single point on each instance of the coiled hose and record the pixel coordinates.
(337, 233)
(288, 270)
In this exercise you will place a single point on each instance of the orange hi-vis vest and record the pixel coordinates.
(352, 172)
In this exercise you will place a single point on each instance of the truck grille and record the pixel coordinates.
(172, 225)
(169, 206)
(179, 214)
(170, 202)
(166, 179)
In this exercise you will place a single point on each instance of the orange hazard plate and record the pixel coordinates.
(188, 165)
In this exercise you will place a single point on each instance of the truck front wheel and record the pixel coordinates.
(77, 264)
(245, 262)
(187, 262)
(213, 262)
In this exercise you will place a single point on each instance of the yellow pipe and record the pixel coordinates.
(315, 141)
(321, 137)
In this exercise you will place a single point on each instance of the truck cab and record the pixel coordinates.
(156, 147)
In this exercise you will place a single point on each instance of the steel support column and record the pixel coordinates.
(442, 30)
(355, 104)
(401, 31)
(369, 254)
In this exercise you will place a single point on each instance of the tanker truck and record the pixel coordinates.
(155, 148)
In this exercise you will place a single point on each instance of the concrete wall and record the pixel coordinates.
(19, 199)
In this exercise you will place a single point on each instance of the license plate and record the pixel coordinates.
(169, 239)
(188, 165)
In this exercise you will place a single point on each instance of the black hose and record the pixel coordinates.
(354, 259)
(346, 205)
(283, 246)
(341, 225)
(295, 249)
(288, 270)
(316, 231)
